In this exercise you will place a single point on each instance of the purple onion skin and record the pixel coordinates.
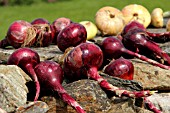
(24, 53)
(121, 68)
(50, 74)
(26, 59)
(71, 36)
(156, 37)
(80, 59)
(58, 25)
(112, 47)
(45, 32)
(139, 39)
(17, 34)
(40, 21)
(132, 25)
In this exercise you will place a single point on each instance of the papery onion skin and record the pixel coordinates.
(80, 59)
(44, 34)
(58, 25)
(109, 20)
(20, 34)
(136, 12)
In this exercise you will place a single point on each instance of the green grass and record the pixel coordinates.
(76, 10)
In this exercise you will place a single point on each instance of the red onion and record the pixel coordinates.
(40, 21)
(138, 39)
(20, 34)
(156, 37)
(121, 68)
(44, 35)
(26, 59)
(113, 48)
(84, 60)
(132, 25)
(124, 69)
(58, 25)
(71, 36)
(50, 76)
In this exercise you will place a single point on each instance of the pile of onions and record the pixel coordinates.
(83, 62)
(138, 38)
(113, 48)
(20, 34)
(124, 69)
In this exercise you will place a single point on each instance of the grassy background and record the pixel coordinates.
(76, 10)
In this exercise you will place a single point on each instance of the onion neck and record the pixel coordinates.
(33, 75)
(67, 98)
(143, 58)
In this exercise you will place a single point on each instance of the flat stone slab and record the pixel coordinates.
(151, 77)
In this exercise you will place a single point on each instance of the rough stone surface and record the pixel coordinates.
(91, 97)
(161, 101)
(33, 107)
(150, 76)
(46, 53)
(120, 105)
(13, 91)
(88, 94)
(131, 85)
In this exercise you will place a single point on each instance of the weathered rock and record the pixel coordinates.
(161, 101)
(13, 91)
(121, 83)
(151, 77)
(87, 93)
(33, 107)
(45, 53)
(56, 105)
(92, 98)
(127, 105)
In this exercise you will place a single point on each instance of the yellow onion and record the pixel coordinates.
(168, 25)
(109, 20)
(136, 12)
(157, 17)
(91, 29)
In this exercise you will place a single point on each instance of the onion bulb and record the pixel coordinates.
(157, 17)
(91, 29)
(136, 12)
(109, 20)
